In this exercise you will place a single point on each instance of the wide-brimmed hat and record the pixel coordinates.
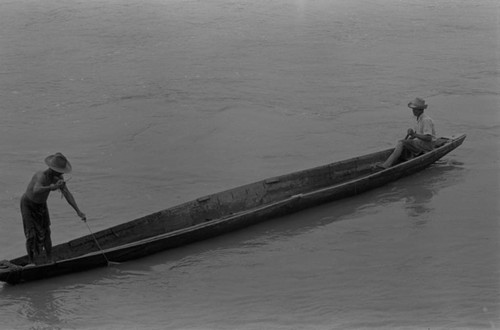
(417, 103)
(58, 163)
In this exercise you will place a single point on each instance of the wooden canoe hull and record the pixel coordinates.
(224, 212)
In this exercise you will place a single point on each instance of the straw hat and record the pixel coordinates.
(417, 103)
(58, 163)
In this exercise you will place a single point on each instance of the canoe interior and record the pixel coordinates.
(220, 205)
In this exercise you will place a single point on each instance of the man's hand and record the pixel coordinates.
(82, 216)
(58, 185)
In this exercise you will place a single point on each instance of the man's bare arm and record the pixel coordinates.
(413, 135)
(71, 200)
(423, 137)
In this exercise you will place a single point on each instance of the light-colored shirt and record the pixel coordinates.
(425, 125)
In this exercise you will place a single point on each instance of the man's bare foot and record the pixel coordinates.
(379, 167)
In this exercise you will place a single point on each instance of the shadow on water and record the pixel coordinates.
(40, 301)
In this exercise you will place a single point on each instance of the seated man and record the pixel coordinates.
(417, 141)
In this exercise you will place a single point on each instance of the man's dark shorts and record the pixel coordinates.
(36, 222)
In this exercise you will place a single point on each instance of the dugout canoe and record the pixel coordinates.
(223, 212)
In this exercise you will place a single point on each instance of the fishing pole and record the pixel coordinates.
(99, 246)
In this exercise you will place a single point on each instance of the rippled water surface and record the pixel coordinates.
(159, 102)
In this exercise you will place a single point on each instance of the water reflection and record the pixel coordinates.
(419, 190)
(418, 199)
(54, 302)
(39, 307)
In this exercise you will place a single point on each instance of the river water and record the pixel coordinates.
(156, 103)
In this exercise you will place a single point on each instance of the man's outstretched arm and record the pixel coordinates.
(71, 200)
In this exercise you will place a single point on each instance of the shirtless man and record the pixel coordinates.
(34, 211)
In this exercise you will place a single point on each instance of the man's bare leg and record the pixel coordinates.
(48, 249)
(394, 156)
(29, 249)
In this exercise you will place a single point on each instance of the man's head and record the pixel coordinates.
(58, 163)
(418, 106)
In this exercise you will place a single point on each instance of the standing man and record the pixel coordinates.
(34, 211)
(417, 141)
